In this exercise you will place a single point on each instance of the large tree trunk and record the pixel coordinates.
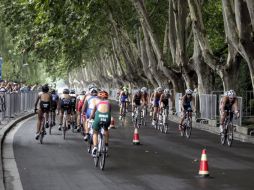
(239, 31)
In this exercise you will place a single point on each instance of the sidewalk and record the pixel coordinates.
(5, 127)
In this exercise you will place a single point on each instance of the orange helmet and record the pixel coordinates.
(103, 94)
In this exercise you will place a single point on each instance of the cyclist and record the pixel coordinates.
(145, 99)
(44, 107)
(73, 106)
(54, 103)
(136, 100)
(89, 104)
(156, 102)
(79, 104)
(229, 103)
(164, 99)
(101, 113)
(64, 105)
(187, 104)
(123, 99)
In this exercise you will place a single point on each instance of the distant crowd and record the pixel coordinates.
(12, 87)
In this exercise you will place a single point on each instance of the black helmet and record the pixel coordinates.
(72, 91)
(66, 91)
(45, 88)
(53, 91)
(83, 92)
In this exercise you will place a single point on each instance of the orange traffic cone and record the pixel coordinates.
(136, 137)
(203, 168)
(112, 123)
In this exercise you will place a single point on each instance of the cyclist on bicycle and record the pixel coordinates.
(187, 104)
(73, 106)
(88, 107)
(156, 103)
(123, 99)
(54, 103)
(101, 113)
(79, 104)
(164, 99)
(145, 96)
(229, 103)
(44, 107)
(64, 105)
(136, 101)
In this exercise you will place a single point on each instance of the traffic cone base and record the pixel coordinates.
(112, 123)
(203, 169)
(136, 137)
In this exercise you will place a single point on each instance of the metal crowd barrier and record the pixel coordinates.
(208, 106)
(178, 100)
(12, 104)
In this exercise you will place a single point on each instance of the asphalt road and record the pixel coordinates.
(162, 161)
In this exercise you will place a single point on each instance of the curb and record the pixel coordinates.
(215, 130)
(3, 131)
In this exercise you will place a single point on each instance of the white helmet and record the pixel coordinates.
(159, 89)
(231, 93)
(90, 86)
(93, 90)
(166, 91)
(188, 91)
(143, 89)
(226, 93)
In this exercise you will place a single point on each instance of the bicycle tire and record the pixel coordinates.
(188, 131)
(182, 131)
(64, 131)
(230, 135)
(102, 154)
(165, 128)
(223, 137)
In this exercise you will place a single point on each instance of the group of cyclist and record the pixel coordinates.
(91, 105)
(160, 98)
(94, 105)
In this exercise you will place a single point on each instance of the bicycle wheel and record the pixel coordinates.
(183, 130)
(188, 131)
(97, 156)
(64, 130)
(41, 136)
(230, 135)
(165, 128)
(223, 137)
(102, 154)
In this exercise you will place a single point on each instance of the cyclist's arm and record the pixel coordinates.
(223, 102)
(160, 102)
(193, 107)
(182, 99)
(92, 114)
(36, 102)
(235, 108)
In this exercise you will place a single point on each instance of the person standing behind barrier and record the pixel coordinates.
(44, 107)
(229, 103)
(187, 104)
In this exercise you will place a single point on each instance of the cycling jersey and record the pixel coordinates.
(165, 100)
(187, 103)
(54, 99)
(137, 99)
(102, 114)
(124, 97)
(157, 99)
(91, 103)
(80, 102)
(73, 103)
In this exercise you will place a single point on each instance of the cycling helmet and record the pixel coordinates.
(159, 89)
(231, 93)
(103, 94)
(188, 91)
(143, 89)
(225, 93)
(66, 91)
(166, 91)
(72, 91)
(45, 88)
(83, 92)
(53, 91)
(94, 91)
(90, 86)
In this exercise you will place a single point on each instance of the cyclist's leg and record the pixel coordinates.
(222, 119)
(38, 128)
(96, 128)
(61, 119)
(181, 120)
